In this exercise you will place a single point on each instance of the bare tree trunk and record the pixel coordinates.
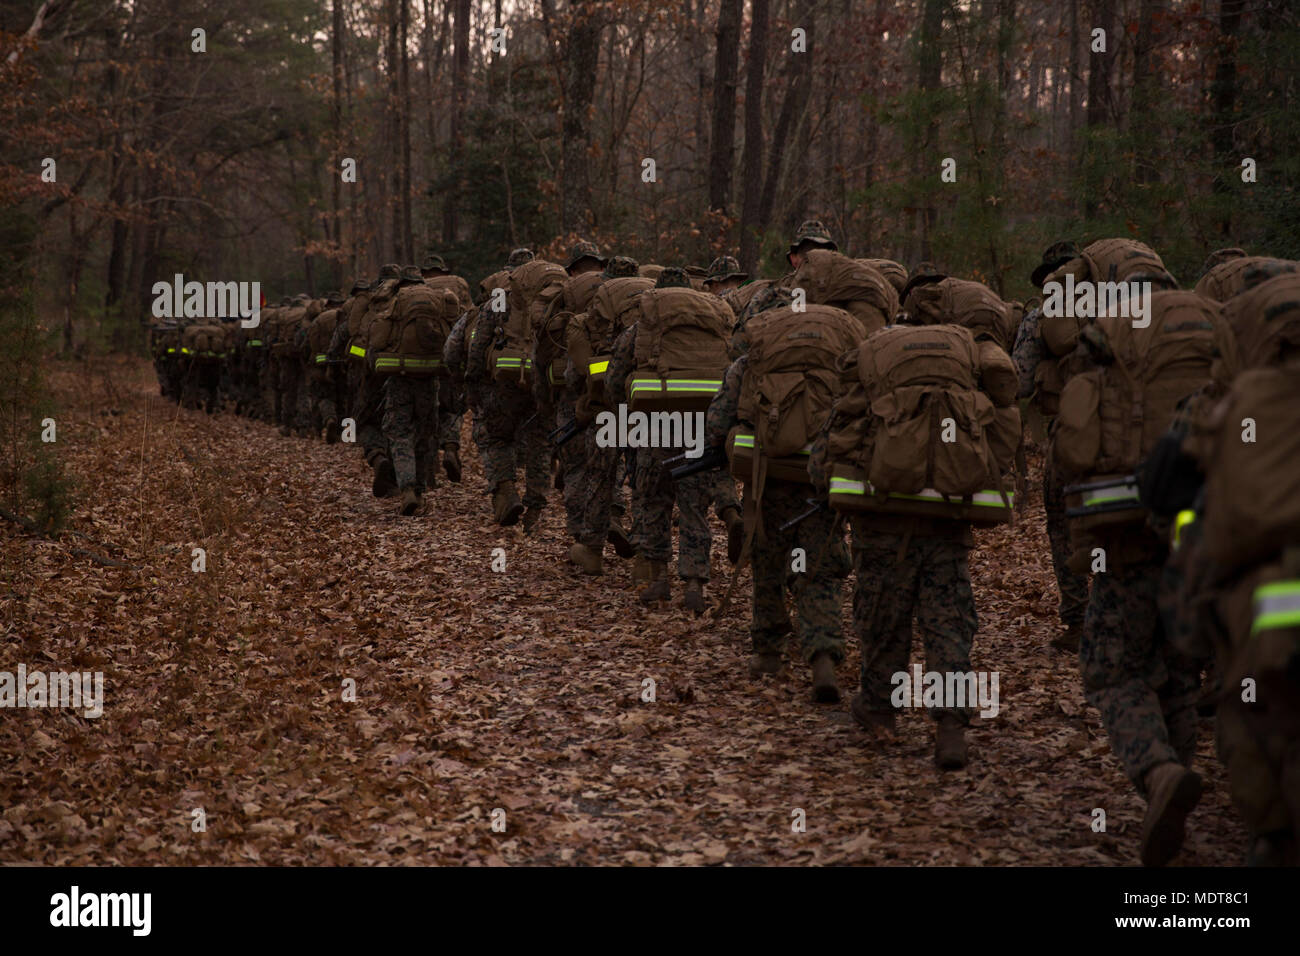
(722, 143)
(336, 118)
(404, 115)
(1223, 96)
(459, 86)
(799, 71)
(752, 157)
(575, 128)
(930, 62)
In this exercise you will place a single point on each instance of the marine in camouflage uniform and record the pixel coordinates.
(656, 492)
(410, 422)
(451, 407)
(1027, 354)
(723, 276)
(368, 401)
(811, 234)
(815, 591)
(513, 428)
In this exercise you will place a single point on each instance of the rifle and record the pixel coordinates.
(566, 433)
(681, 466)
(816, 504)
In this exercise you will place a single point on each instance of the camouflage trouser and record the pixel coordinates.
(410, 426)
(174, 377)
(289, 378)
(657, 492)
(1072, 587)
(724, 491)
(271, 390)
(327, 392)
(815, 589)
(572, 467)
(929, 584)
(368, 413)
(451, 412)
(203, 385)
(514, 429)
(627, 470)
(1144, 688)
(600, 489)
(306, 413)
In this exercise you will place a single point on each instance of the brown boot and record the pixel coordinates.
(619, 539)
(950, 743)
(1068, 639)
(824, 688)
(385, 481)
(587, 559)
(764, 662)
(506, 506)
(735, 533)
(640, 572)
(451, 463)
(410, 501)
(694, 600)
(1172, 793)
(659, 588)
(532, 517)
(880, 723)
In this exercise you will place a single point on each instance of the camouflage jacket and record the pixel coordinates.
(724, 410)
(621, 362)
(1028, 352)
(482, 328)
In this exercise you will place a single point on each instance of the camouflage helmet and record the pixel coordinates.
(582, 249)
(1054, 256)
(923, 273)
(697, 272)
(1220, 256)
(673, 277)
(431, 262)
(814, 232)
(411, 274)
(389, 270)
(724, 268)
(334, 297)
(360, 285)
(518, 257)
(619, 267)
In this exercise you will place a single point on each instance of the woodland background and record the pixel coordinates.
(225, 164)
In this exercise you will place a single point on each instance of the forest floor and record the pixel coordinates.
(480, 690)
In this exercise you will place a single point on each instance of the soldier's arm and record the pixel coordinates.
(480, 336)
(1027, 352)
(723, 410)
(620, 366)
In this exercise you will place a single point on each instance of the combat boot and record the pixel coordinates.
(824, 688)
(694, 600)
(735, 533)
(1068, 640)
(623, 547)
(764, 662)
(532, 517)
(659, 588)
(1172, 793)
(506, 506)
(410, 500)
(640, 572)
(880, 723)
(385, 483)
(949, 743)
(451, 463)
(587, 559)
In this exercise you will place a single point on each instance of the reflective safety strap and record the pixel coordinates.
(689, 386)
(170, 351)
(984, 499)
(598, 368)
(185, 351)
(357, 350)
(322, 358)
(1184, 518)
(510, 361)
(745, 440)
(1125, 490)
(1277, 606)
(848, 486)
(255, 343)
(397, 361)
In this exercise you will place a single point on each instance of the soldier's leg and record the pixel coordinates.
(1073, 587)
(816, 546)
(1123, 665)
(426, 434)
(945, 610)
(884, 596)
(695, 540)
(536, 450)
(601, 468)
(399, 428)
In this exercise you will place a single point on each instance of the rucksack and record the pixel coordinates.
(533, 286)
(408, 338)
(829, 278)
(895, 273)
(286, 325)
(320, 334)
(1227, 279)
(552, 350)
(205, 342)
(791, 381)
(456, 285)
(916, 433)
(371, 306)
(967, 303)
(739, 297)
(1265, 319)
(681, 351)
(1252, 488)
(590, 336)
(1112, 415)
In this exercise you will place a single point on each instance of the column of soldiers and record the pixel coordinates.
(805, 372)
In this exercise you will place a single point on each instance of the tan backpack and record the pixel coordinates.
(532, 288)
(408, 338)
(895, 273)
(791, 381)
(680, 352)
(320, 334)
(1252, 488)
(1112, 415)
(1266, 321)
(739, 297)
(552, 350)
(829, 278)
(590, 336)
(454, 284)
(916, 434)
(1229, 278)
(967, 303)
(370, 308)
(204, 342)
